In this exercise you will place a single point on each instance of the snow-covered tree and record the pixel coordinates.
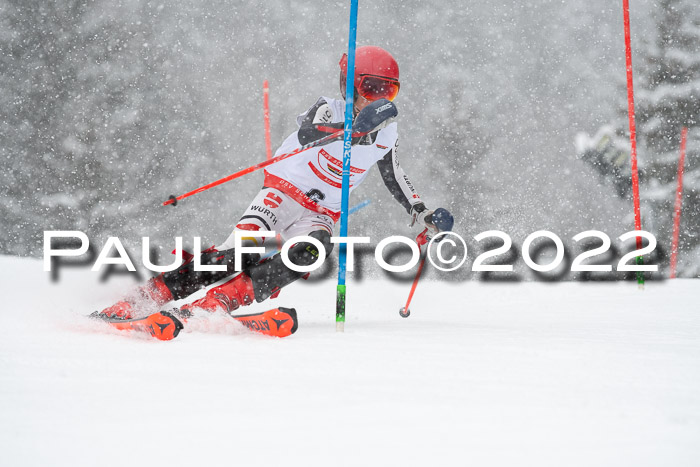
(667, 85)
(669, 99)
(94, 118)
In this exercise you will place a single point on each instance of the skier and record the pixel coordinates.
(301, 195)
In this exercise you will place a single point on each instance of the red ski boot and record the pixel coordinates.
(154, 293)
(229, 296)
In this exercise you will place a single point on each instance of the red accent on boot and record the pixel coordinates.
(157, 291)
(187, 257)
(121, 309)
(229, 296)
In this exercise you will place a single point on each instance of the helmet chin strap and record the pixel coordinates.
(354, 97)
(354, 107)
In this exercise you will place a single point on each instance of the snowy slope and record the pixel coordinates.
(480, 374)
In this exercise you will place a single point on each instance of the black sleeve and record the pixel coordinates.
(397, 182)
(316, 124)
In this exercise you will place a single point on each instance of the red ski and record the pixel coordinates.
(162, 325)
(278, 322)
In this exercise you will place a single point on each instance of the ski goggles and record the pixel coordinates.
(377, 87)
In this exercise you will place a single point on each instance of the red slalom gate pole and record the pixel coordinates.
(679, 203)
(266, 113)
(633, 135)
(268, 143)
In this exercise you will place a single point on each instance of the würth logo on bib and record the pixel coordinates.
(272, 200)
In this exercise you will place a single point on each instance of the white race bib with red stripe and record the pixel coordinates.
(318, 172)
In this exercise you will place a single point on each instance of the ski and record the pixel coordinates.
(278, 322)
(164, 325)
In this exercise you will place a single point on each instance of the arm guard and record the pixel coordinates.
(397, 181)
(317, 123)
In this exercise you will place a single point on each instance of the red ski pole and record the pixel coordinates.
(325, 140)
(421, 240)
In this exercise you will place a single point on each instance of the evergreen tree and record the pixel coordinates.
(94, 119)
(669, 99)
(667, 87)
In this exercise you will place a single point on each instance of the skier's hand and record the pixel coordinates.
(436, 221)
(442, 220)
(422, 216)
(375, 116)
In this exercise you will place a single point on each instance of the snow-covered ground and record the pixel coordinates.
(567, 374)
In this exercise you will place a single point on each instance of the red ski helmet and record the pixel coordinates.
(376, 73)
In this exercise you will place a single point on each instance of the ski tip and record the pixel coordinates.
(176, 322)
(163, 325)
(292, 314)
(278, 322)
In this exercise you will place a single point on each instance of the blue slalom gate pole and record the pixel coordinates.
(347, 148)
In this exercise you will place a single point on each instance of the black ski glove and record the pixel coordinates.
(375, 116)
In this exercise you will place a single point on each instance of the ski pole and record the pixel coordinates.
(421, 240)
(325, 140)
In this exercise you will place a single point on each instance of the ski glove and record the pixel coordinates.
(375, 116)
(436, 221)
